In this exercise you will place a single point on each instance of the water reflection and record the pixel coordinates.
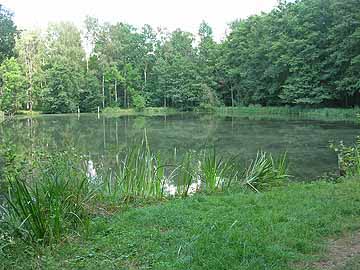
(104, 138)
(91, 172)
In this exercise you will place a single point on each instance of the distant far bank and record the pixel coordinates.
(336, 114)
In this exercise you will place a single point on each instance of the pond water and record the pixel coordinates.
(103, 138)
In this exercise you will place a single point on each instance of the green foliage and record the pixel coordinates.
(138, 102)
(348, 158)
(8, 34)
(218, 173)
(186, 175)
(49, 201)
(63, 90)
(276, 230)
(64, 73)
(178, 83)
(89, 95)
(11, 91)
(10, 163)
(30, 48)
(139, 175)
(264, 172)
(205, 107)
(302, 53)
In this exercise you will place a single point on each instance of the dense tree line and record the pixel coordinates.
(304, 53)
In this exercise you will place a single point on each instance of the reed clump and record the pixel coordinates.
(265, 172)
(140, 174)
(56, 194)
(51, 201)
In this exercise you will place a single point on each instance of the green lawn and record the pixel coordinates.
(273, 230)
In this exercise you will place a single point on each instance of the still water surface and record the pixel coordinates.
(306, 142)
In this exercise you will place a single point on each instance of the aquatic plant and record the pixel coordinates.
(217, 172)
(348, 158)
(53, 204)
(264, 172)
(187, 175)
(57, 193)
(141, 174)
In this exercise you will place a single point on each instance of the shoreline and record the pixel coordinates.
(255, 112)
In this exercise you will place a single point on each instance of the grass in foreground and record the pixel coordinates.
(271, 230)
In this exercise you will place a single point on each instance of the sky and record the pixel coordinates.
(172, 14)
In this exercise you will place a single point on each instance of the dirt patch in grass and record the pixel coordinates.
(340, 252)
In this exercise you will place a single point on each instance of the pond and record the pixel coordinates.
(103, 138)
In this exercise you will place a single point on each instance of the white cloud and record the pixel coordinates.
(184, 14)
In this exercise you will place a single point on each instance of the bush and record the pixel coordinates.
(205, 107)
(348, 158)
(139, 102)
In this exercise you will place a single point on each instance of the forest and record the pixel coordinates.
(303, 53)
(233, 153)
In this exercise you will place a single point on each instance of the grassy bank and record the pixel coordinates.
(331, 114)
(146, 111)
(28, 113)
(272, 230)
(316, 114)
(250, 111)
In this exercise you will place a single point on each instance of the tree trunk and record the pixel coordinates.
(145, 75)
(116, 94)
(104, 133)
(125, 97)
(30, 74)
(232, 97)
(103, 91)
